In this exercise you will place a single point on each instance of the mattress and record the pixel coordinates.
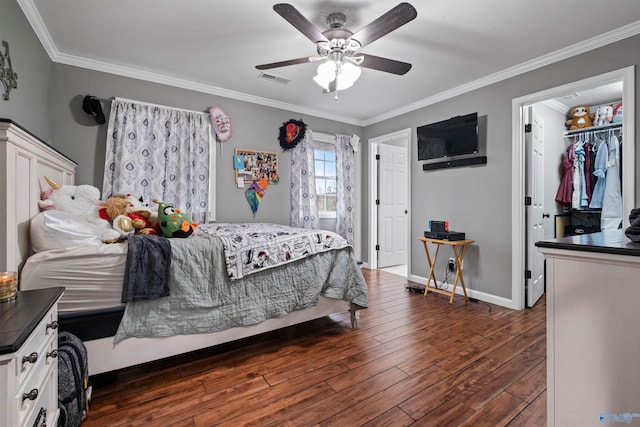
(91, 275)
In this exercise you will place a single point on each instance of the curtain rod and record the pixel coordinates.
(159, 106)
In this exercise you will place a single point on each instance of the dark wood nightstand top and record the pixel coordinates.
(18, 318)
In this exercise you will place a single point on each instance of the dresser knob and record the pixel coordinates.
(53, 354)
(32, 395)
(32, 358)
(53, 325)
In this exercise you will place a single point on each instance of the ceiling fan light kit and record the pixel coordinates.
(339, 47)
(343, 74)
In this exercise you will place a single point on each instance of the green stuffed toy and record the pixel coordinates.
(174, 223)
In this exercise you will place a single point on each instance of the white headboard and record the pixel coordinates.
(24, 161)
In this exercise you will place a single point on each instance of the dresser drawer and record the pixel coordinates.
(37, 389)
(28, 378)
(45, 407)
(38, 345)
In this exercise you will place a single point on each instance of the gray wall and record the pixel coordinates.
(477, 200)
(254, 127)
(29, 103)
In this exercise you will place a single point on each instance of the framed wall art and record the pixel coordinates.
(256, 165)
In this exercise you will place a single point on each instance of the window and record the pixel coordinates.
(325, 171)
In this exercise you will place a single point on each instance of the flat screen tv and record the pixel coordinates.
(453, 137)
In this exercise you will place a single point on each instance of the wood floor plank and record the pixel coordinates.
(452, 410)
(392, 418)
(530, 385)
(498, 412)
(414, 360)
(372, 407)
(534, 414)
(333, 404)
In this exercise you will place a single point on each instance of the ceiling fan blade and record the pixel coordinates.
(393, 19)
(384, 64)
(302, 60)
(302, 24)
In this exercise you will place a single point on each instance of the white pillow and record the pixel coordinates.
(54, 229)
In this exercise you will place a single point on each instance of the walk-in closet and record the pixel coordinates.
(589, 194)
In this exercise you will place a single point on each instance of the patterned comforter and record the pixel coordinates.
(204, 299)
(253, 247)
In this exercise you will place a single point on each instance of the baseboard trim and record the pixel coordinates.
(471, 293)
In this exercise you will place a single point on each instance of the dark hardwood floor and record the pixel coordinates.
(413, 361)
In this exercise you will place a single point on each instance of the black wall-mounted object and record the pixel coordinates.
(469, 161)
(453, 137)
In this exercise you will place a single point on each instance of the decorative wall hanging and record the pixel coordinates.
(221, 123)
(257, 165)
(254, 195)
(291, 133)
(92, 106)
(8, 77)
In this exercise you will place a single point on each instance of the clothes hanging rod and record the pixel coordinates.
(158, 105)
(104, 99)
(593, 129)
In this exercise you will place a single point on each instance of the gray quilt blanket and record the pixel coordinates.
(203, 298)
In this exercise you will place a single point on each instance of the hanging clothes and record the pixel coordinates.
(565, 190)
(611, 216)
(600, 172)
(581, 151)
(578, 169)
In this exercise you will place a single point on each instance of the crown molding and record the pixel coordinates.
(31, 13)
(153, 77)
(559, 55)
(556, 105)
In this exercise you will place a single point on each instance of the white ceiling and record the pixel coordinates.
(213, 46)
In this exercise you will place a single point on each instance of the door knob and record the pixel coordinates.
(545, 215)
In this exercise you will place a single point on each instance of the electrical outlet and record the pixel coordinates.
(452, 264)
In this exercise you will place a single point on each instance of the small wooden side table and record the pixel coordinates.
(459, 247)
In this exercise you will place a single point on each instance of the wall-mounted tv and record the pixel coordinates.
(453, 137)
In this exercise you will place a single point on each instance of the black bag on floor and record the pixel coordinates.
(74, 392)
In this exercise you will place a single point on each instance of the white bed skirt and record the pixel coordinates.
(104, 356)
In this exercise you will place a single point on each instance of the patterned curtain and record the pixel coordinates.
(304, 208)
(345, 182)
(158, 152)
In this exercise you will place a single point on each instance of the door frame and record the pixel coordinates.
(404, 137)
(518, 178)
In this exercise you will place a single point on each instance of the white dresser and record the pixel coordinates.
(593, 330)
(28, 359)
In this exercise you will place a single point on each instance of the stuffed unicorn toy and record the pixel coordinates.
(69, 218)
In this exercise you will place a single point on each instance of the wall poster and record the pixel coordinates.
(256, 165)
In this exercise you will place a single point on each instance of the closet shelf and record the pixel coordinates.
(593, 128)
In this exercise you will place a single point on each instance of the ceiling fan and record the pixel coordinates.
(340, 47)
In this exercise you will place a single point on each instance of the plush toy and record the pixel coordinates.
(604, 115)
(617, 114)
(173, 222)
(580, 117)
(144, 217)
(114, 210)
(70, 215)
(126, 216)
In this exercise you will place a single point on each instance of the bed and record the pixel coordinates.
(93, 278)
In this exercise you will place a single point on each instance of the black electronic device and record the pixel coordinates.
(444, 235)
(454, 163)
(438, 225)
(452, 137)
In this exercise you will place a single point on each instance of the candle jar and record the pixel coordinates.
(8, 285)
